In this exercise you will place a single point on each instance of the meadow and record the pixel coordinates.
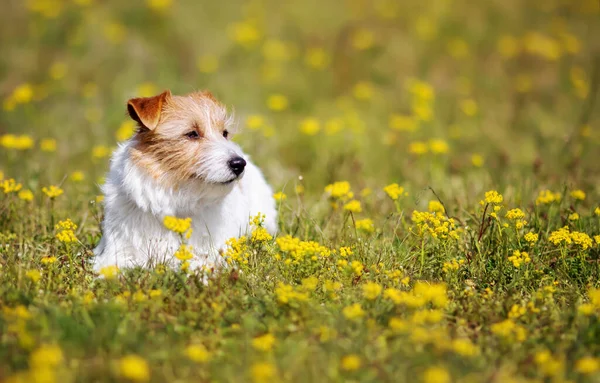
(435, 165)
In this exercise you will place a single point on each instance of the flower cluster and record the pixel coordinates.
(565, 237)
(66, 231)
(518, 258)
(339, 191)
(178, 225)
(436, 225)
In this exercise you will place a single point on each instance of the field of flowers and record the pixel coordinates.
(434, 169)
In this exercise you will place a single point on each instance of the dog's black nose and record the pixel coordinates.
(237, 165)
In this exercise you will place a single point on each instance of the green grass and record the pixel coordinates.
(447, 99)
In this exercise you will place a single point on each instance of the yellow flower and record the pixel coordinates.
(48, 145)
(263, 372)
(126, 130)
(197, 353)
(509, 330)
(453, 265)
(436, 375)
(547, 197)
(277, 102)
(264, 342)
(317, 58)
(10, 186)
(135, 368)
(66, 236)
(371, 290)
(560, 236)
(260, 234)
(286, 294)
(184, 253)
(277, 50)
(350, 362)
(109, 272)
(34, 275)
(159, 5)
(586, 309)
(177, 225)
(363, 38)
(573, 217)
(518, 258)
(66, 224)
(310, 126)
(25, 195)
(310, 283)
(547, 363)
(353, 206)
(493, 197)
(100, 151)
(435, 207)
(244, 33)
(11, 141)
(543, 46)
(515, 214)
(255, 121)
(365, 225)
(587, 365)
(438, 146)
(597, 211)
(353, 312)
(432, 292)
(578, 195)
(594, 295)
(23, 93)
(45, 356)
(464, 347)
(531, 237)
(48, 260)
(363, 91)
(345, 252)
(418, 147)
(394, 191)
(52, 192)
(398, 325)
(77, 176)
(279, 196)
(339, 190)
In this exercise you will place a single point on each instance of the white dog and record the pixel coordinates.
(180, 163)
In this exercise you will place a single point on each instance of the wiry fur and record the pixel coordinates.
(160, 172)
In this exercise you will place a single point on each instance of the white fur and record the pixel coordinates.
(136, 204)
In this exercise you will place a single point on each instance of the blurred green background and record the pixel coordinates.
(369, 91)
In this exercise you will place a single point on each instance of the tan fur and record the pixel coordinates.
(146, 110)
(164, 150)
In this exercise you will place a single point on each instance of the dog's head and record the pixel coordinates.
(183, 139)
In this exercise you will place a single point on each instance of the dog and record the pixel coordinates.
(180, 162)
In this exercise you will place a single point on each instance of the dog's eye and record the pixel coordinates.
(192, 135)
(225, 133)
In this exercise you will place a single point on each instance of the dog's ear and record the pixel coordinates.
(146, 110)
